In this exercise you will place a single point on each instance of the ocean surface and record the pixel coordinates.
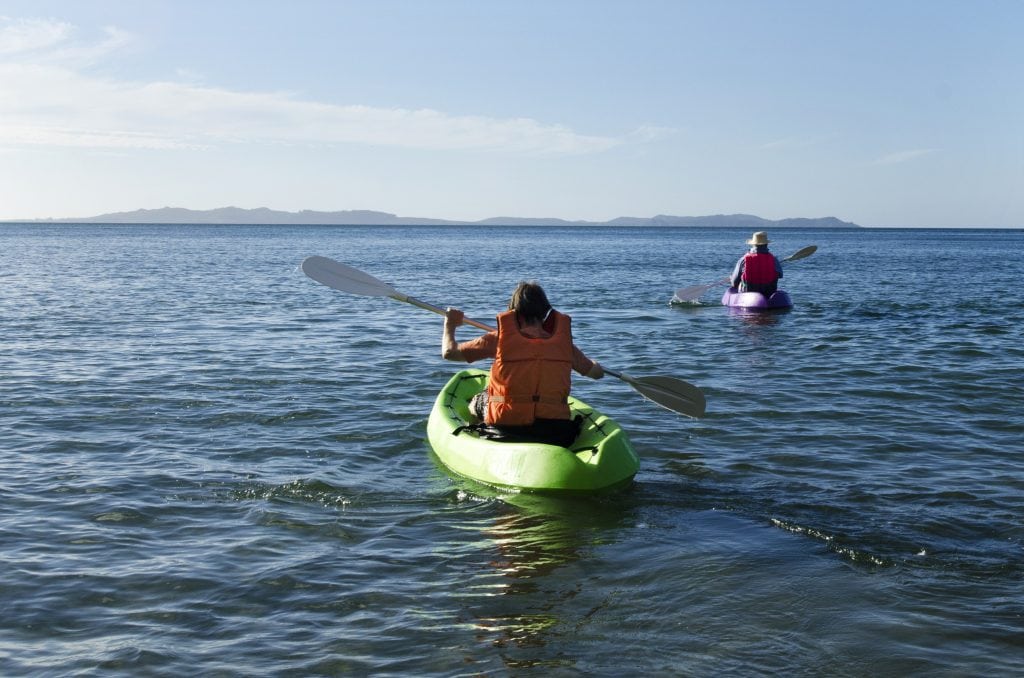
(211, 465)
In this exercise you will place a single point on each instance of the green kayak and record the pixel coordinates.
(600, 460)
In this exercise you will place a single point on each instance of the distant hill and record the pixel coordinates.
(263, 215)
(238, 215)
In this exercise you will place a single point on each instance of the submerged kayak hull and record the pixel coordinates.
(755, 301)
(602, 458)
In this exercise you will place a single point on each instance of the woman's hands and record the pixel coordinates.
(453, 317)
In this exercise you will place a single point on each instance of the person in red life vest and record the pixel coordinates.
(534, 355)
(758, 270)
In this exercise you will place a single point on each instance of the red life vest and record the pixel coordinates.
(530, 378)
(759, 268)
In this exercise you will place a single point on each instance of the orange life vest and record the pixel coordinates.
(530, 378)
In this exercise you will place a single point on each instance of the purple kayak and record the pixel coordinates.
(755, 301)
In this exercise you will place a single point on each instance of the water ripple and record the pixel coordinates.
(225, 468)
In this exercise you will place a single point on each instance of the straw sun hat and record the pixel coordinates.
(759, 238)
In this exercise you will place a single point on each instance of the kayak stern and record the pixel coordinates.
(755, 301)
(600, 460)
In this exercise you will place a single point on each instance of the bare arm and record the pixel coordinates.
(449, 347)
(584, 365)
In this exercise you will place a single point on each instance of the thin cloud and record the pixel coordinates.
(71, 137)
(50, 100)
(650, 133)
(18, 36)
(45, 41)
(904, 156)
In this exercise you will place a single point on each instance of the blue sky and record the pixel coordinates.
(884, 113)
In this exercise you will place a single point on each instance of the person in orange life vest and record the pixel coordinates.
(534, 355)
(758, 270)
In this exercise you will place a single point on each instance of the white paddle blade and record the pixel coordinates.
(344, 278)
(672, 394)
(692, 293)
(802, 254)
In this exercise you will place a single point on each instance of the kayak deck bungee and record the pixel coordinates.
(755, 301)
(600, 460)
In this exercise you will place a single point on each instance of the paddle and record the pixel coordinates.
(673, 394)
(695, 292)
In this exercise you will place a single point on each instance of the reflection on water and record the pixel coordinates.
(747, 315)
(533, 540)
(688, 306)
(759, 317)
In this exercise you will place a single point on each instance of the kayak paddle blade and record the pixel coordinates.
(692, 293)
(672, 394)
(695, 292)
(344, 278)
(802, 254)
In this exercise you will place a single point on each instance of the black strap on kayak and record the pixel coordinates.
(512, 398)
(560, 432)
(482, 430)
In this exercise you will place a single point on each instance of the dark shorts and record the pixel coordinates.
(561, 432)
(765, 289)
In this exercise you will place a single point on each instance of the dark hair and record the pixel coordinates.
(529, 301)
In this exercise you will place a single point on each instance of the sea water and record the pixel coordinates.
(213, 465)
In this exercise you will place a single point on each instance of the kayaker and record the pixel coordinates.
(534, 355)
(758, 270)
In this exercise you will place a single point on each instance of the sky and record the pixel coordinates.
(878, 112)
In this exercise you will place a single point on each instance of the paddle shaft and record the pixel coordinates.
(675, 395)
(691, 293)
(668, 392)
(440, 311)
(487, 328)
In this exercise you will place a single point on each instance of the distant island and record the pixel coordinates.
(263, 215)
